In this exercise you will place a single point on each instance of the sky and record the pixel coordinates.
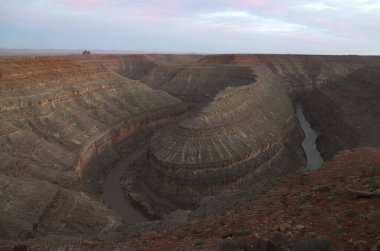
(194, 26)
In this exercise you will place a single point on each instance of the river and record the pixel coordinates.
(314, 158)
(115, 200)
(113, 195)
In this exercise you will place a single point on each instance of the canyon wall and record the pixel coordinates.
(346, 111)
(208, 153)
(227, 144)
(56, 113)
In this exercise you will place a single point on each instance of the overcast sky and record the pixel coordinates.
(207, 26)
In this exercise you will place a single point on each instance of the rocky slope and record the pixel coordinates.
(341, 202)
(57, 114)
(346, 111)
(227, 144)
(334, 208)
(207, 152)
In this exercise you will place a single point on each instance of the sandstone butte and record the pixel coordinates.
(220, 129)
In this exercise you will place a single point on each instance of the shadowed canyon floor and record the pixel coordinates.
(113, 140)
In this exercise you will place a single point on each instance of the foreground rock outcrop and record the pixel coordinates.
(290, 213)
(292, 206)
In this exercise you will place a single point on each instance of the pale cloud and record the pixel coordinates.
(228, 14)
(286, 26)
(319, 7)
(245, 21)
(349, 6)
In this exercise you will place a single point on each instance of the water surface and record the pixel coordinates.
(113, 195)
(314, 158)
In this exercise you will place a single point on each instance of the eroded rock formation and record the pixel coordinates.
(346, 111)
(233, 138)
(226, 145)
(56, 114)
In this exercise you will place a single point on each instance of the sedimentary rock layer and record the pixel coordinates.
(221, 146)
(57, 113)
(346, 111)
(229, 142)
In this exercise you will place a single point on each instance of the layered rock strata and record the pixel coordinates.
(226, 145)
(56, 115)
(346, 112)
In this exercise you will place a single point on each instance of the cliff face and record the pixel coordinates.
(196, 82)
(227, 144)
(341, 94)
(57, 113)
(347, 111)
(300, 70)
(231, 139)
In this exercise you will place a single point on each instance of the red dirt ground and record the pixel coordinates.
(349, 223)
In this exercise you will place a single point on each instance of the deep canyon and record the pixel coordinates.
(106, 147)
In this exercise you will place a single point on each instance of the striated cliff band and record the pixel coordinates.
(211, 123)
(57, 114)
(238, 135)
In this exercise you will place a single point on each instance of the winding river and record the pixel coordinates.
(314, 158)
(113, 195)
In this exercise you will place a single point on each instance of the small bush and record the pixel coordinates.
(350, 213)
(339, 230)
(230, 245)
(295, 212)
(312, 212)
(241, 232)
(305, 199)
(199, 243)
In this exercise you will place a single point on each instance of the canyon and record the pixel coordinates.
(107, 147)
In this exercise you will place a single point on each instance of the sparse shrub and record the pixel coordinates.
(231, 245)
(305, 198)
(161, 249)
(313, 212)
(194, 231)
(241, 232)
(350, 213)
(340, 220)
(371, 183)
(339, 230)
(295, 212)
(199, 243)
